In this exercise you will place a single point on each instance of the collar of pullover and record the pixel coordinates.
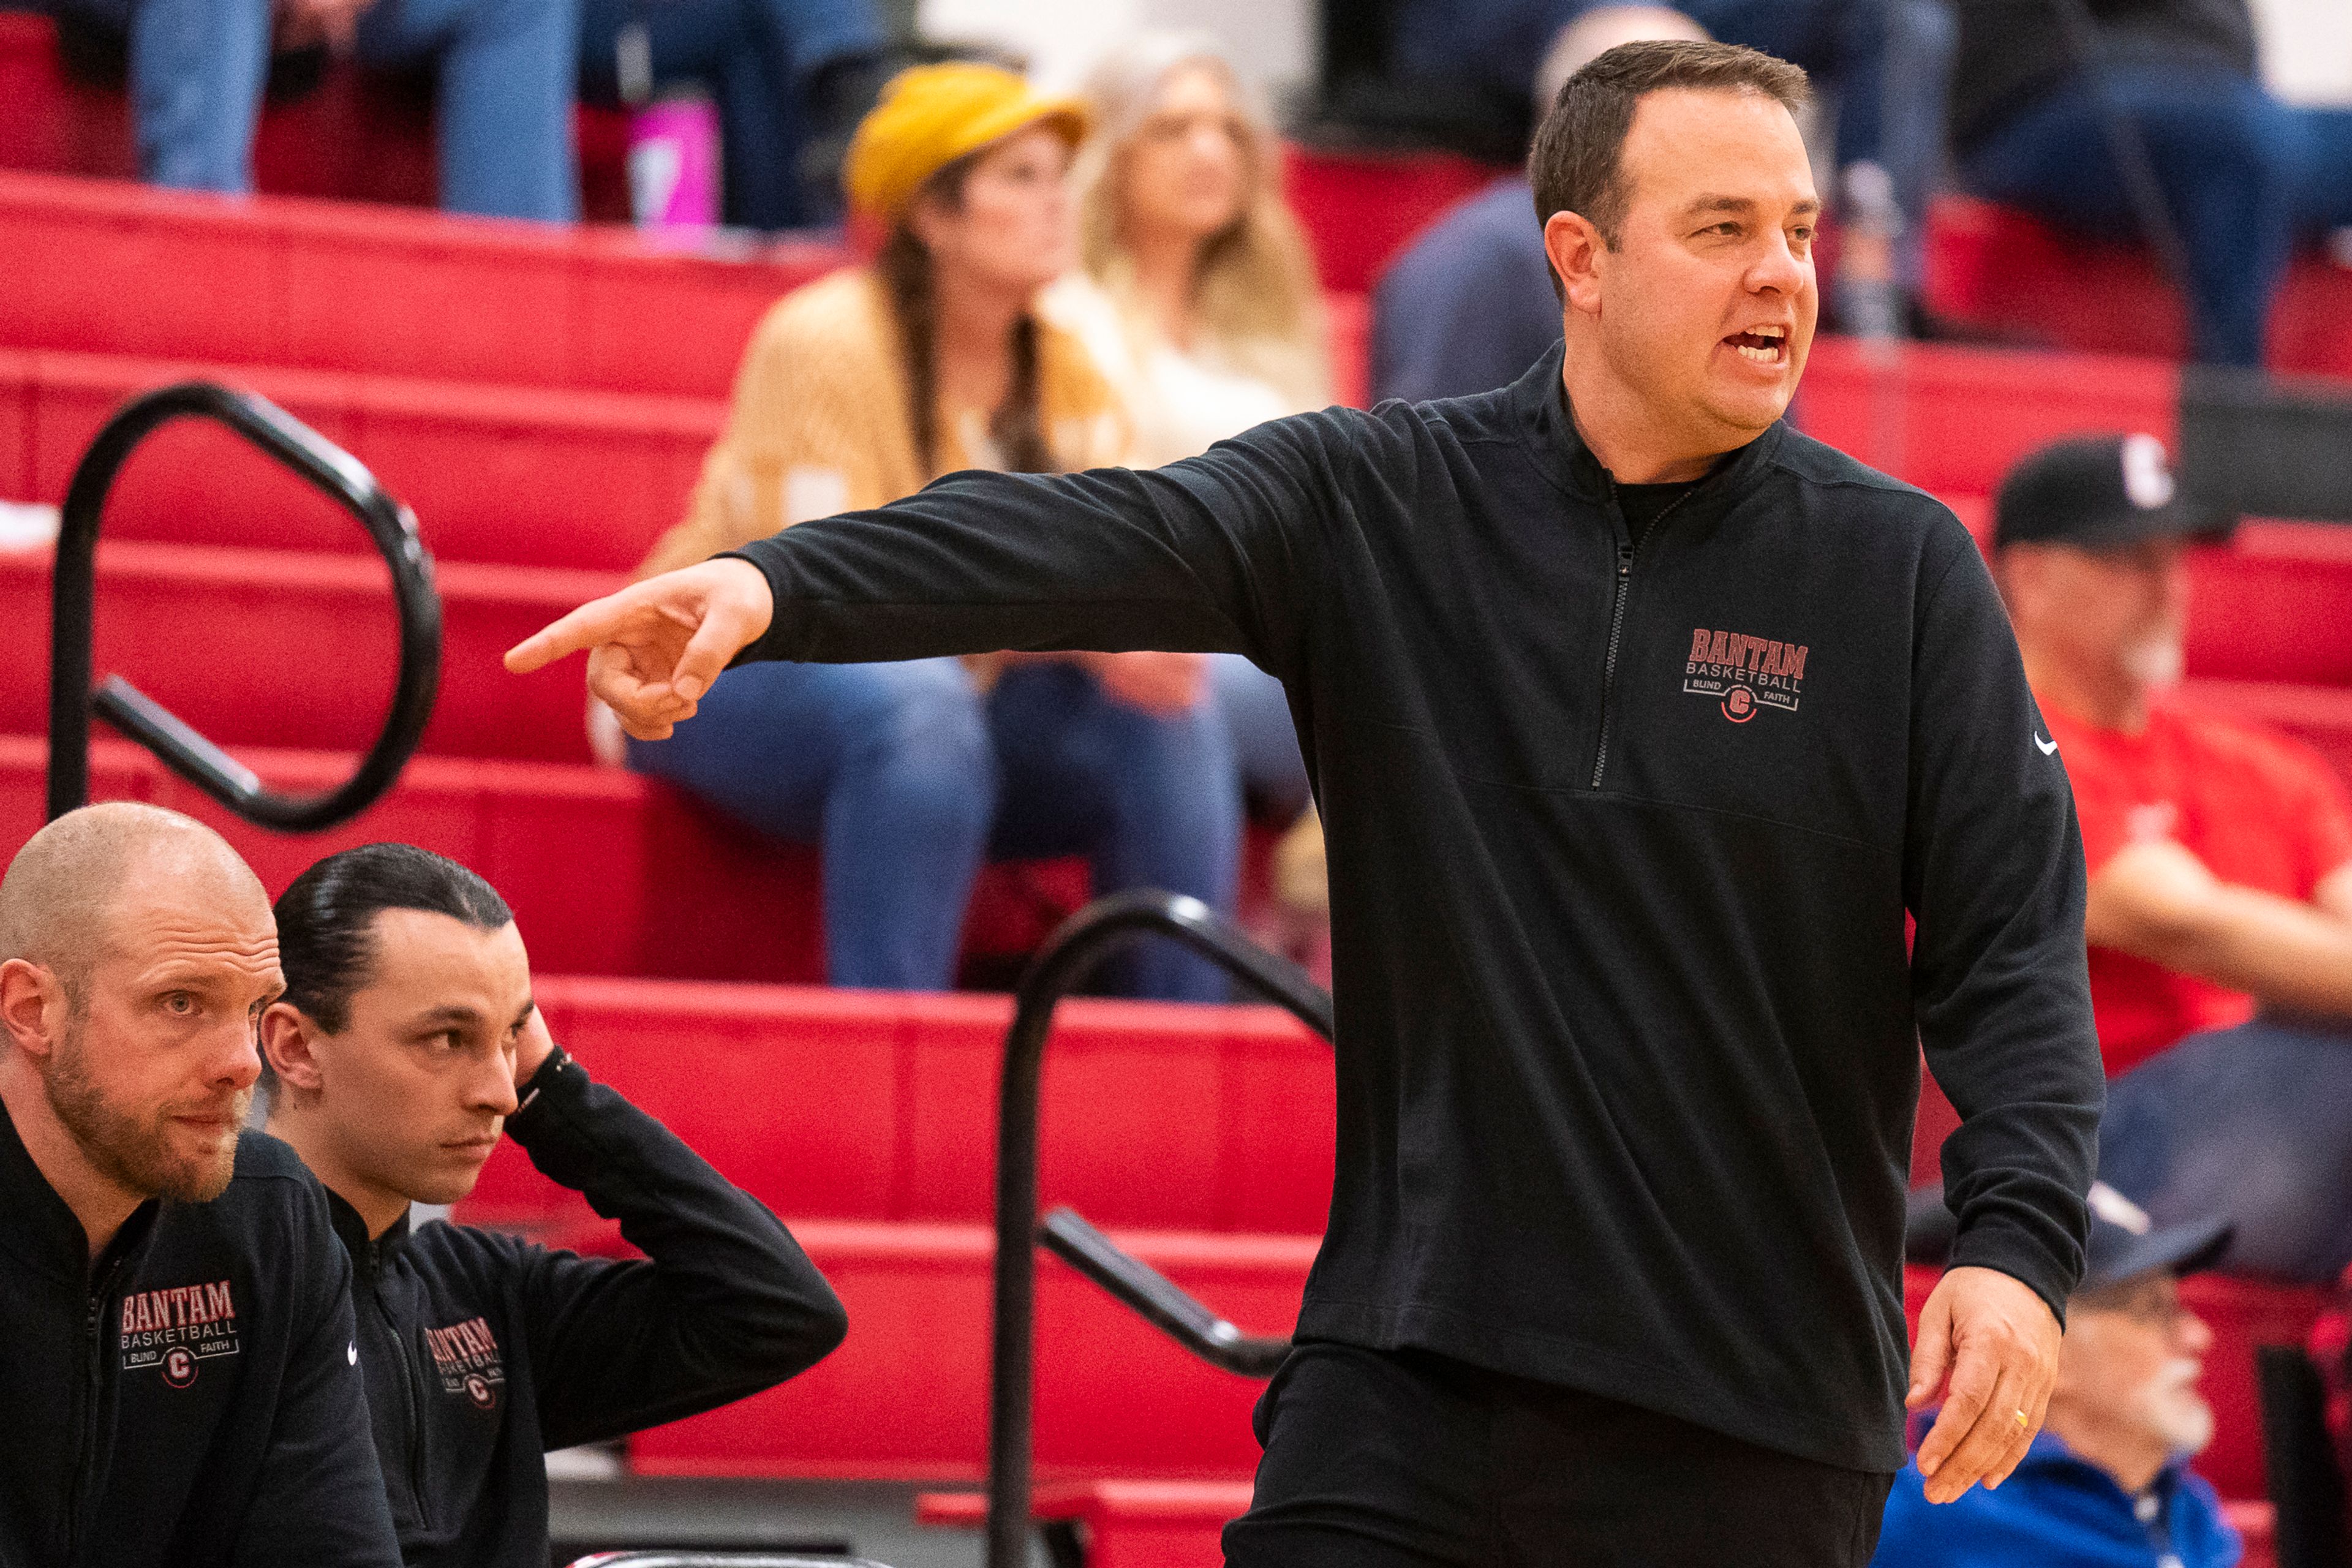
(38, 1228)
(1540, 403)
(369, 1254)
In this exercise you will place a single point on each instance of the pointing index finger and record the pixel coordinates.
(583, 629)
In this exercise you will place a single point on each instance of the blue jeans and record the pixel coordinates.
(2243, 175)
(1887, 64)
(2251, 1124)
(1151, 802)
(896, 772)
(503, 68)
(757, 59)
(886, 768)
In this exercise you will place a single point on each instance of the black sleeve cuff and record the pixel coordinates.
(769, 645)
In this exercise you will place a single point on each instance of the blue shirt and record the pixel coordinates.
(1469, 307)
(2058, 1511)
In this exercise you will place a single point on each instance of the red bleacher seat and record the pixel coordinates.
(528, 475)
(1360, 208)
(906, 1396)
(334, 286)
(1998, 268)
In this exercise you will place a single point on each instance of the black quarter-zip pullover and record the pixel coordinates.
(192, 1399)
(1622, 844)
(484, 1352)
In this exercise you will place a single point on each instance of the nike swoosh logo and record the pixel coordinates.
(352, 1352)
(2049, 748)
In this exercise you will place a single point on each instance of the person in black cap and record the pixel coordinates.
(2107, 1484)
(2220, 917)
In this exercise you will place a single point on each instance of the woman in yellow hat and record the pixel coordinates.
(863, 387)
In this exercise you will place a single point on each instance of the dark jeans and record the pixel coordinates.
(1887, 64)
(1405, 1459)
(757, 59)
(2244, 177)
(904, 775)
(2252, 1125)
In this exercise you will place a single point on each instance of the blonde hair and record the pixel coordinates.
(1256, 299)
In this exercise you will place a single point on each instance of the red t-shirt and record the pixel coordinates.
(2258, 809)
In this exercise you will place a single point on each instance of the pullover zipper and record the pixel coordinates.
(1626, 548)
(93, 1366)
(412, 1375)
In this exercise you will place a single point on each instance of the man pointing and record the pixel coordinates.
(1628, 1028)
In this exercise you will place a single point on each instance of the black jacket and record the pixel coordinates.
(483, 1351)
(191, 1400)
(1622, 843)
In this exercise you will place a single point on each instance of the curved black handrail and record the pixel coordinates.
(329, 469)
(1067, 956)
(1158, 1299)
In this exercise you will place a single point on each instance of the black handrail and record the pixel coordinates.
(1159, 1299)
(329, 469)
(1068, 955)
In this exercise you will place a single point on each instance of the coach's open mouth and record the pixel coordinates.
(1765, 345)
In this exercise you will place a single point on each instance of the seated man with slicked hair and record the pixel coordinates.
(181, 1384)
(408, 1039)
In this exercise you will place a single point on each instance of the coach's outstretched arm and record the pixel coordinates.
(1993, 875)
(1219, 553)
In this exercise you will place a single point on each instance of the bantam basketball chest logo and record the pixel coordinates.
(1745, 674)
(175, 1330)
(466, 1356)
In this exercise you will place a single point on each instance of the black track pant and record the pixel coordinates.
(1405, 1459)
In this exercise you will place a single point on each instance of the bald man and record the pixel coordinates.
(181, 1372)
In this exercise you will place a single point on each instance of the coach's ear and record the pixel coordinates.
(1573, 247)
(286, 1040)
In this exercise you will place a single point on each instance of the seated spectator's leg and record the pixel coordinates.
(2325, 200)
(887, 767)
(2253, 1124)
(506, 71)
(197, 69)
(2227, 157)
(1152, 802)
(1892, 111)
(802, 90)
(1887, 67)
(1257, 712)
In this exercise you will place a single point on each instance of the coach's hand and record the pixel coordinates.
(655, 647)
(1987, 1352)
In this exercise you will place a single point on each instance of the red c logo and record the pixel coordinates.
(1739, 705)
(179, 1367)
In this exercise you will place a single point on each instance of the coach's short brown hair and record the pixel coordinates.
(1575, 165)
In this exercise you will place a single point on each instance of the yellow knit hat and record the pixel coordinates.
(931, 116)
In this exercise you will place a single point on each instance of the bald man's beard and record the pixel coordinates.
(134, 1151)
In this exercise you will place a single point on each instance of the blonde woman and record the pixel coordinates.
(1199, 303)
(860, 389)
(1205, 311)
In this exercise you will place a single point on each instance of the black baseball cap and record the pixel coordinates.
(2124, 1242)
(2099, 492)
